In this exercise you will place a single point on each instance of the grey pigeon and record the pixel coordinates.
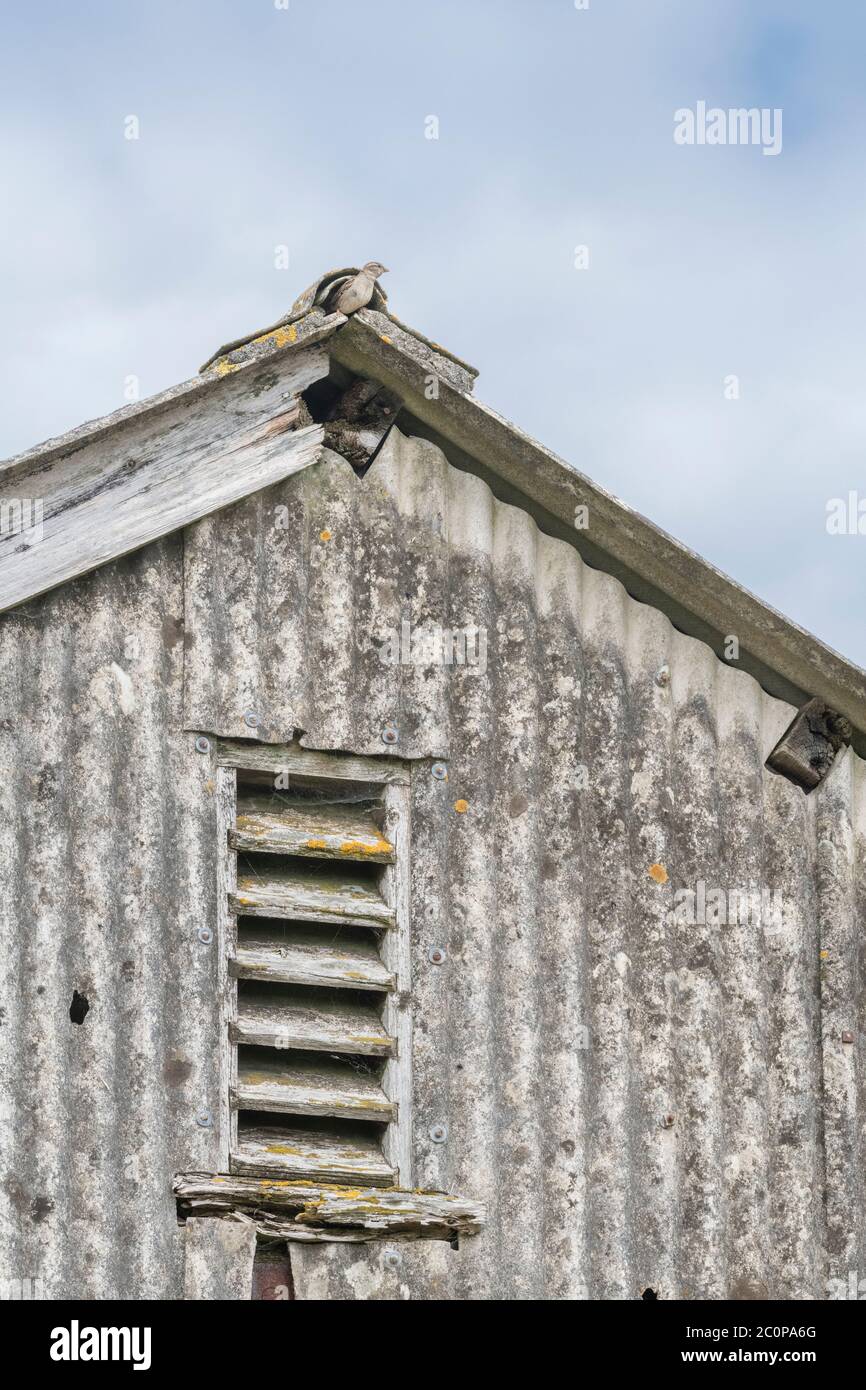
(351, 295)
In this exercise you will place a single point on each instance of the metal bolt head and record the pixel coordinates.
(847, 1037)
(392, 1259)
(440, 772)
(204, 1119)
(251, 719)
(205, 935)
(663, 676)
(202, 744)
(390, 734)
(438, 1133)
(437, 955)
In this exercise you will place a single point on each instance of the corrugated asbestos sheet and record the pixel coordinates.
(107, 859)
(641, 1102)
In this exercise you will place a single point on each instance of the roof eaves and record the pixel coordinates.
(657, 569)
(107, 488)
(698, 598)
(408, 340)
(271, 347)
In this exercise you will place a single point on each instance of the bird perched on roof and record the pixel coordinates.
(339, 291)
(349, 296)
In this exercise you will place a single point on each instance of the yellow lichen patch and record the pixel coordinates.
(244, 824)
(324, 535)
(223, 366)
(280, 337)
(658, 873)
(824, 954)
(315, 844)
(460, 806)
(380, 846)
(384, 337)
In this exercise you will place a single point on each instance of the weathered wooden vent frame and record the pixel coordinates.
(305, 893)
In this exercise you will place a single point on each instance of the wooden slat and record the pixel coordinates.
(285, 1019)
(296, 1153)
(288, 1208)
(152, 473)
(307, 762)
(295, 954)
(311, 1086)
(317, 830)
(307, 896)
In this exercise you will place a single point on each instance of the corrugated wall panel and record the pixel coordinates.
(640, 1102)
(107, 855)
(291, 596)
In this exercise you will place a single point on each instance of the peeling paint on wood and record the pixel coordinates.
(151, 476)
(306, 1020)
(294, 954)
(334, 1157)
(310, 763)
(312, 1087)
(310, 897)
(273, 825)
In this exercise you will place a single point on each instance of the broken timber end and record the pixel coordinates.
(807, 750)
(304, 1211)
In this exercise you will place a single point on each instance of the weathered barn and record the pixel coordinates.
(396, 899)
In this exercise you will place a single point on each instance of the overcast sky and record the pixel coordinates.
(304, 127)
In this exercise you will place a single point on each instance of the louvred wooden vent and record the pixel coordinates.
(317, 961)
